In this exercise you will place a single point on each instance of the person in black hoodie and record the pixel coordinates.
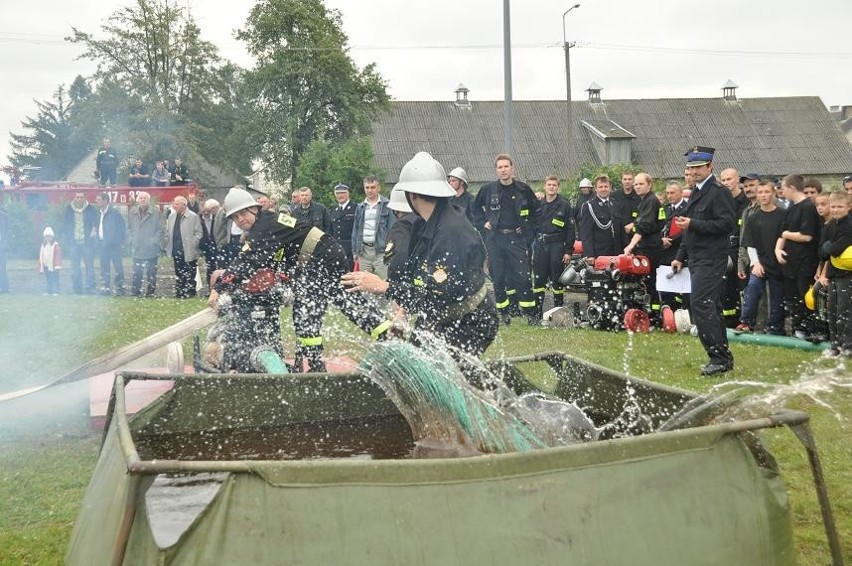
(646, 233)
(836, 250)
(313, 260)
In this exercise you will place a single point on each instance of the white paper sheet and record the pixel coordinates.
(673, 283)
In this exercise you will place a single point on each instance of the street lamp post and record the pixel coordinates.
(567, 47)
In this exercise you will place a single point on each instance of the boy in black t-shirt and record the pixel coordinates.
(762, 231)
(796, 251)
(837, 274)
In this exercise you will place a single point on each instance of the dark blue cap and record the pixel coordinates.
(699, 155)
(340, 188)
(749, 177)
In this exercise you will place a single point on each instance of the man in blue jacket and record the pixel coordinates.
(373, 220)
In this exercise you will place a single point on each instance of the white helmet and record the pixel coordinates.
(459, 174)
(424, 176)
(238, 199)
(585, 183)
(398, 201)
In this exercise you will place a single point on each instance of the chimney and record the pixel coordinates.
(461, 96)
(729, 90)
(594, 91)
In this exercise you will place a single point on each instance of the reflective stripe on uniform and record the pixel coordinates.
(558, 291)
(311, 341)
(526, 304)
(511, 291)
(503, 305)
(524, 212)
(539, 289)
(380, 329)
(309, 245)
(557, 222)
(418, 282)
(729, 312)
(661, 214)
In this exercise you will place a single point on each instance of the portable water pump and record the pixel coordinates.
(617, 293)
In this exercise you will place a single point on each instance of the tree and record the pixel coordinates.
(164, 91)
(324, 164)
(56, 137)
(155, 52)
(305, 86)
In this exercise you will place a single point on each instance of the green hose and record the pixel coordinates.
(773, 340)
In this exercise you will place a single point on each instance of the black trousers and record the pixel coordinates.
(110, 255)
(547, 266)
(316, 285)
(4, 276)
(184, 275)
(732, 295)
(707, 279)
(840, 312)
(140, 267)
(795, 287)
(211, 258)
(509, 266)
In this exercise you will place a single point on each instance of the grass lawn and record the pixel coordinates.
(47, 451)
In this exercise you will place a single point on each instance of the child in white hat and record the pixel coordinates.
(50, 261)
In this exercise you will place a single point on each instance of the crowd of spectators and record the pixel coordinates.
(778, 249)
(164, 173)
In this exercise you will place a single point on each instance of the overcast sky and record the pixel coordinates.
(632, 48)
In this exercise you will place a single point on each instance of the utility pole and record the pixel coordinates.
(507, 80)
(570, 132)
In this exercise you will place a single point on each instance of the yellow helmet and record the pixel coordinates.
(844, 261)
(810, 302)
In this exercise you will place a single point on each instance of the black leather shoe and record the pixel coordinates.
(713, 369)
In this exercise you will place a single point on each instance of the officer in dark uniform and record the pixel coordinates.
(599, 226)
(554, 242)
(506, 212)
(443, 283)
(341, 219)
(458, 181)
(707, 223)
(313, 260)
(311, 212)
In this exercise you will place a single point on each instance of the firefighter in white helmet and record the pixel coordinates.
(399, 236)
(458, 181)
(314, 262)
(443, 283)
(585, 193)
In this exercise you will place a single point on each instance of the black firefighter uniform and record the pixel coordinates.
(315, 263)
(554, 237)
(513, 211)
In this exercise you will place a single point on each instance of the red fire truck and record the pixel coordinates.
(39, 196)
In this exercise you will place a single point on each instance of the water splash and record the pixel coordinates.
(742, 399)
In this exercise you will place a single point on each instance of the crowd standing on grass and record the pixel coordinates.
(749, 240)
